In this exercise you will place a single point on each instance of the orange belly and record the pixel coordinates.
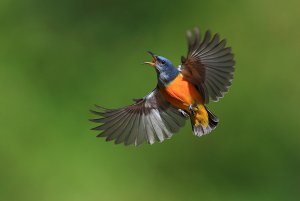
(181, 93)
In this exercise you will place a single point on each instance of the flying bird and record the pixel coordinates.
(182, 93)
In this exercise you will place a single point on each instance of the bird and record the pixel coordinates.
(182, 93)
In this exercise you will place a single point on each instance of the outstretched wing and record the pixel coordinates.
(150, 119)
(209, 64)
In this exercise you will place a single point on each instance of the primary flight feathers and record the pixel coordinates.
(150, 119)
(209, 64)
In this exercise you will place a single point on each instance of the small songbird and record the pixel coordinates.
(181, 93)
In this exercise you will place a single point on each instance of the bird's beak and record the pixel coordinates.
(151, 63)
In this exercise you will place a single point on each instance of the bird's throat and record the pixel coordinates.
(165, 78)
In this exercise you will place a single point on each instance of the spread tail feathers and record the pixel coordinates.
(205, 128)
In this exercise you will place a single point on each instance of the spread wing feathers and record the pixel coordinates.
(150, 119)
(209, 64)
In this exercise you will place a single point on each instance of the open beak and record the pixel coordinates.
(151, 63)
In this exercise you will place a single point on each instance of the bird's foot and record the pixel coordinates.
(183, 113)
(193, 108)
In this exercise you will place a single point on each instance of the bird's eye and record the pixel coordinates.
(163, 62)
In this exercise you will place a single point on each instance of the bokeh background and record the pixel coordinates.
(59, 57)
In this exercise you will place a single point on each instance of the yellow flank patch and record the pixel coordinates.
(201, 116)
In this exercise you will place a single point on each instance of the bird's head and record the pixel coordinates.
(160, 63)
(165, 70)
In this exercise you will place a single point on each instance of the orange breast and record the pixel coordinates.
(181, 93)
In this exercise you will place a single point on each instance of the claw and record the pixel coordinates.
(193, 108)
(183, 113)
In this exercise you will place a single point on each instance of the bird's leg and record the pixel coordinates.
(193, 108)
(183, 113)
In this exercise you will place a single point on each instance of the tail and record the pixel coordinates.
(204, 121)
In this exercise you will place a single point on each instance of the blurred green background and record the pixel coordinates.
(59, 57)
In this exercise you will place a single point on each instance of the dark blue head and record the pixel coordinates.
(166, 72)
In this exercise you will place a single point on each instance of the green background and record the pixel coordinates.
(59, 57)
